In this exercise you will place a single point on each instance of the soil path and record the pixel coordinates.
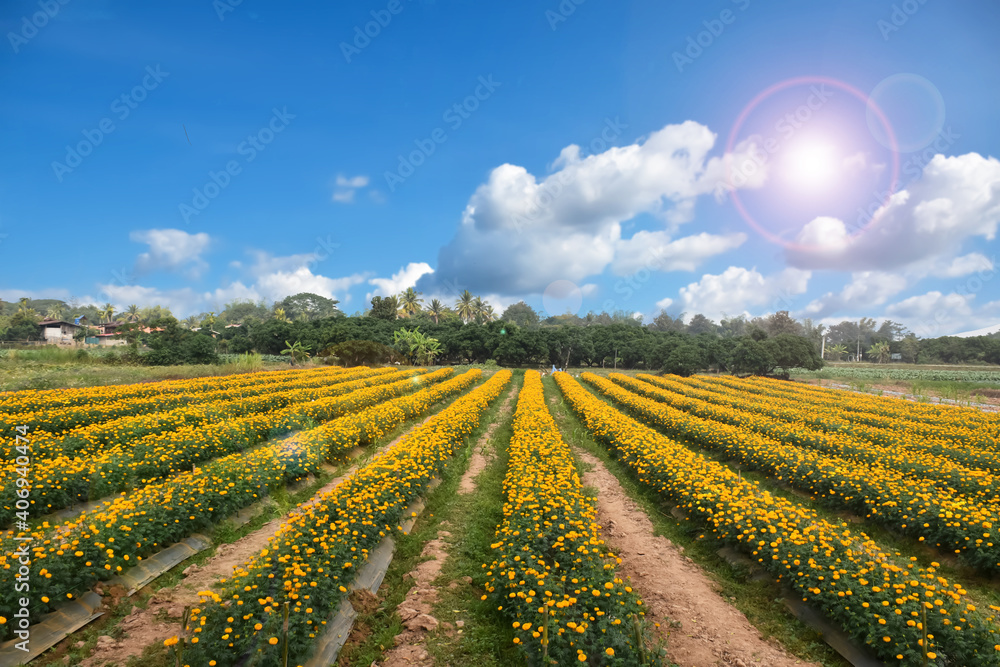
(410, 645)
(712, 631)
(144, 627)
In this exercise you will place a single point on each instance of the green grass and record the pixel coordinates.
(472, 520)
(757, 598)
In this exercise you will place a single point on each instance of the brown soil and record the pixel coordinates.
(144, 627)
(712, 631)
(416, 610)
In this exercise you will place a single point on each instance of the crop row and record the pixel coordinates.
(31, 400)
(552, 574)
(91, 438)
(935, 441)
(943, 421)
(57, 421)
(922, 509)
(315, 553)
(794, 425)
(926, 374)
(72, 556)
(860, 587)
(339, 437)
(61, 482)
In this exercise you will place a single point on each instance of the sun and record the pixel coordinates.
(811, 164)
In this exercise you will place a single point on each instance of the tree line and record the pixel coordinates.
(470, 331)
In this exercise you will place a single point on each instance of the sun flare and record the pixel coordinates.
(811, 165)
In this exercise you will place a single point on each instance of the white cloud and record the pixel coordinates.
(181, 302)
(955, 199)
(353, 182)
(964, 265)
(406, 277)
(736, 289)
(346, 187)
(934, 314)
(664, 303)
(276, 286)
(520, 233)
(866, 289)
(171, 250)
(655, 251)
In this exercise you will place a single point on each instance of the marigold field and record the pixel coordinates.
(878, 513)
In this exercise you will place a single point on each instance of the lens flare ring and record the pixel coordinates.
(872, 108)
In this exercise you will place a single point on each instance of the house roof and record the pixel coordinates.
(49, 323)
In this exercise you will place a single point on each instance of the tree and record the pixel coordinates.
(306, 306)
(909, 348)
(107, 312)
(701, 324)
(780, 323)
(25, 311)
(359, 352)
(297, 351)
(281, 315)
(837, 351)
(132, 313)
(891, 331)
(384, 308)
(685, 359)
(750, 357)
(664, 322)
(880, 352)
(436, 310)
(789, 351)
(410, 302)
(54, 312)
(465, 306)
(417, 347)
(733, 327)
(520, 314)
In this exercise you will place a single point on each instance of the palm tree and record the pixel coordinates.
(24, 308)
(410, 302)
(107, 312)
(464, 306)
(279, 314)
(836, 351)
(297, 351)
(487, 314)
(191, 321)
(880, 351)
(132, 314)
(209, 321)
(54, 312)
(435, 310)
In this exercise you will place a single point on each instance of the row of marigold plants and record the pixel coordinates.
(958, 424)
(312, 559)
(69, 558)
(30, 400)
(903, 613)
(800, 425)
(936, 452)
(922, 509)
(60, 482)
(70, 424)
(553, 575)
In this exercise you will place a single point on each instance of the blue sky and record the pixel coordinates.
(587, 155)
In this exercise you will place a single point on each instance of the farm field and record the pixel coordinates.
(399, 516)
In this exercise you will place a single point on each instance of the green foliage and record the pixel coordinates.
(415, 346)
(298, 352)
(359, 353)
(789, 351)
(685, 359)
(750, 357)
(384, 308)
